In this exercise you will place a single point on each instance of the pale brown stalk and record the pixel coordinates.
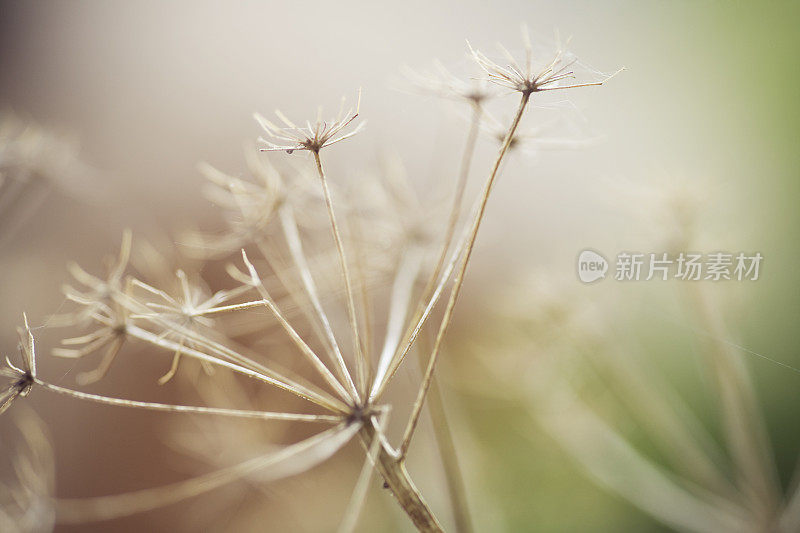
(455, 211)
(394, 473)
(292, 235)
(351, 306)
(168, 408)
(459, 278)
(305, 349)
(262, 374)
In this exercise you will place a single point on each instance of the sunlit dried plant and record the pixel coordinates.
(346, 392)
(23, 376)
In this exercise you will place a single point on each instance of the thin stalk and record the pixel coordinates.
(458, 281)
(449, 456)
(153, 406)
(419, 319)
(358, 499)
(455, 214)
(220, 350)
(302, 305)
(227, 308)
(452, 469)
(201, 312)
(296, 338)
(351, 307)
(380, 385)
(295, 388)
(402, 287)
(354, 227)
(292, 236)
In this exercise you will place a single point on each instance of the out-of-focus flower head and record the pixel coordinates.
(441, 82)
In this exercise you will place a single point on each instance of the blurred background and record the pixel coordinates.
(148, 89)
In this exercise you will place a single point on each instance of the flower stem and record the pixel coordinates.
(154, 406)
(351, 307)
(242, 366)
(295, 245)
(458, 281)
(455, 211)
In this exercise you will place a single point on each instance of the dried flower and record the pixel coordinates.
(98, 292)
(536, 75)
(441, 82)
(186, 315)
(113, 320)
(24, 376)
(309, 137)
(349, 386)
(251, 207)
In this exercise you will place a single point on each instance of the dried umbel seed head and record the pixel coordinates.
(185, 316)
(96, 293)
(342, 385)
(311, 137)
(22, 377)
(538, 74)
(112, 323)
(441, 82)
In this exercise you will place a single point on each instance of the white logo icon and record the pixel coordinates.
(591, 266)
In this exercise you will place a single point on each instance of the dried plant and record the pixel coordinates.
(343, 385)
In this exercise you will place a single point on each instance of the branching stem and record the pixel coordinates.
(395, 475)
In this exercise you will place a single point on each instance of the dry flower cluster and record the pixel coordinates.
(323, 300)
